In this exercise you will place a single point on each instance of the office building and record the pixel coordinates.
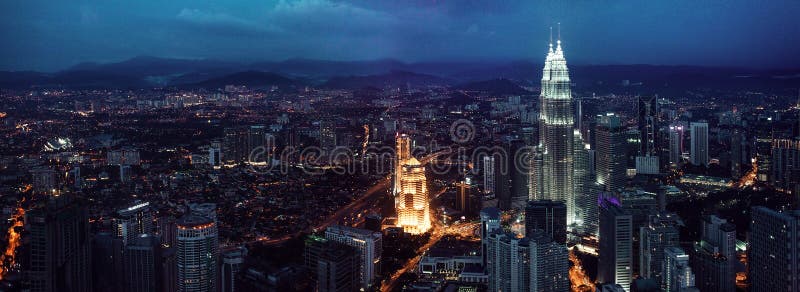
(488, 174)
(549, 261)
(660, 233)
(490, 221)
(647, 123)
(107, 262)
(134, 220)
(699, 143)
(678, 276)
(142, 270)
(675, 143)
(713, 259)
(336, 270)
(536, 181)
(518, 175)
(215, 154)
(43, 180)
(549, 216)
(738, 152)
(232, 262)
(610, 141)
(615, 261)
(464, 200)
(583, 183)
(369, 246)
(59, 246)
(234, 145)
(197, 253)
(327, 134)
(556, 120)
(410, 189)
(785, 163)
(774, 252)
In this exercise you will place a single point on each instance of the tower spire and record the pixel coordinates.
(558, 42)
(551, 39)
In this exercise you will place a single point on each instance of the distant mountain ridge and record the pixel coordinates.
(391, 79)
(143, 72)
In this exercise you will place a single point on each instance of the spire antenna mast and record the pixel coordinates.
(559, 31)
(551, 36)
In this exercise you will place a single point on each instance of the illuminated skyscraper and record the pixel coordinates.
(675, 143)
(411, 190)
(556, 129)
(611, 143)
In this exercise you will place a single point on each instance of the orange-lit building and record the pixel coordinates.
(411, 190)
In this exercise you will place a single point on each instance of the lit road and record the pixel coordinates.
(358, 205)
(750, 177)
(462, 230)
(369, 196)
(577, 276)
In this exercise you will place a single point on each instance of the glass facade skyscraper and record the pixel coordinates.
(556, 121)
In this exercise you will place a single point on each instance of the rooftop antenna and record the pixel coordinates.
(551, 36)
(559, 31)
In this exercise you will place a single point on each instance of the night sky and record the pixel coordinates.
(48, 35)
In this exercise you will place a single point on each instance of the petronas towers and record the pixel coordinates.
(556, 130)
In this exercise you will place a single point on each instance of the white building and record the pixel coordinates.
(197, 254)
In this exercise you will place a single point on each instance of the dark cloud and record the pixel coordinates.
(51, 35)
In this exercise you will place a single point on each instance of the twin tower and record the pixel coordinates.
(555, 176)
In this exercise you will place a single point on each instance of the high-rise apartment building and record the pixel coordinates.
(534, 263)
(197, 253)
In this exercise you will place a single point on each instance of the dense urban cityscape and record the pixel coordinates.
(169, 174)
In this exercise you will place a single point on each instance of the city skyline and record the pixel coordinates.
(428, 174)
